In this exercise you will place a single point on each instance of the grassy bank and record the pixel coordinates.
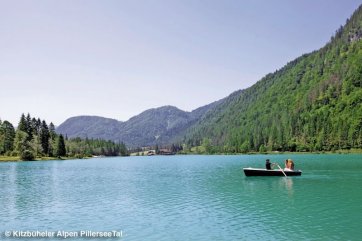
(45, 158)
(9, 158)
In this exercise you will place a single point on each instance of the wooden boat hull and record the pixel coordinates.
(263, 172)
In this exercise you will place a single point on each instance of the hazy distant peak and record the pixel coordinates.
(152, 126)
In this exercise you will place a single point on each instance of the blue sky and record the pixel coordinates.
(118, 58)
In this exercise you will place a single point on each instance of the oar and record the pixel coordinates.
(282, 170)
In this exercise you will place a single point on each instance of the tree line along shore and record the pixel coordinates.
(34, 139)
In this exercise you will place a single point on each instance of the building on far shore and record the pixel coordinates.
(166, 152)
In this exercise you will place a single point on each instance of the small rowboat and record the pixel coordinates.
(249, 171)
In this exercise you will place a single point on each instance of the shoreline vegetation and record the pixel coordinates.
(44, 158)
(17, 158)
(202, 152)
(34, 140)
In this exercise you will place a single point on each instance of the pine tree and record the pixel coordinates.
(38, 125)
(22, 124)
(34, 126)
(53, 139)
(44, 138)
(52, 131)
(61, 150)
(29, 127)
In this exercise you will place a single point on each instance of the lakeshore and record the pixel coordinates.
(351, 151)
(17, 158)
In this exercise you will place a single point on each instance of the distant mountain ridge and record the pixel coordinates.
(313, 103)
(154, 126)
(89, 126)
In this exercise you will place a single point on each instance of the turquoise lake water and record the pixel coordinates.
(185, 198)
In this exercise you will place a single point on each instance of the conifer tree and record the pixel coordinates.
(52, 140)
(52, 131)
(61, 150)
(29, 128)
(44, 138)
(22, 124)
(35, 126)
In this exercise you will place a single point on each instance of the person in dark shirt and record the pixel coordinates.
(267, 164)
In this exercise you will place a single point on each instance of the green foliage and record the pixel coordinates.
(245, 147)
(262, 149)
(95, 147)
(7, 136)
(44, 138)
(23, 146)
(27, 155)
(61, 150)
(34, 138)
(206, 144)
(22, 126)
(314, 103)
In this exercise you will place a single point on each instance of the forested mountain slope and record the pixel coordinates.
(312, 103)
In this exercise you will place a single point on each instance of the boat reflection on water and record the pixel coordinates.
(287, 183)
